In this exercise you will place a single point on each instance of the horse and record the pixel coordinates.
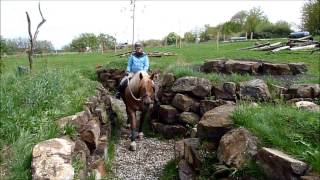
(138, 96)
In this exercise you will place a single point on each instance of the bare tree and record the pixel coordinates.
(33, 38)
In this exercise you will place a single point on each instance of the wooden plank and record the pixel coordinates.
(280, 48)
(312, 46)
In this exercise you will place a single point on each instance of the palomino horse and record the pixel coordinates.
(138, 96)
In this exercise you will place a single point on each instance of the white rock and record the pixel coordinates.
(307, 105)
(52, 160)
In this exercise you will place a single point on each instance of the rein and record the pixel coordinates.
(137, 99)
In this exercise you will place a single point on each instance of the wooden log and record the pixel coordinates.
(280, 48)
(270, 47)
(256, 46)
(303, 47)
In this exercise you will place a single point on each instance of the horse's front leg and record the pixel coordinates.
(142, 118)
(132, 117)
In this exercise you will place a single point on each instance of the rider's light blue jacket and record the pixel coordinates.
(138, 63)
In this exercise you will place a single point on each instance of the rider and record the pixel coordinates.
(138, 61)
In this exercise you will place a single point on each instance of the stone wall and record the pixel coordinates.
(55, 158)
(229, 66)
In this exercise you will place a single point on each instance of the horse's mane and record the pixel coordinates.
(134, 82)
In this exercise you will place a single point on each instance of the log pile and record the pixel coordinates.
(293, 44)
(150, 54)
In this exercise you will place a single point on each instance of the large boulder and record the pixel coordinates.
(169, 131)
(91, 133)
(165, 97)
(255, 89)
(227, 91)
(278, 165)
(242, 67)
(197, 86)
(237, 147)
(207, 105)
(191, 153)
(215, 123)
(168, 114)
(185, 171)
(167, 81)
(311, 106)
(189, 118)
(213, 66)
(298, 68)
(276, 69)
(304, 91)
(182, 102)
(51, 159)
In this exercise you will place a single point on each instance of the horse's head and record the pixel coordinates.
(146, 90)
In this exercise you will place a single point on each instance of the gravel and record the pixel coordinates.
(147, 162)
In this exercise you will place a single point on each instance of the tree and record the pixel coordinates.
(240, 18)
(3, 46)
(189, 37)
(33, 38)
(43, 46)
(172, 38)
(254, 18)
(310, 16)
(84, 41)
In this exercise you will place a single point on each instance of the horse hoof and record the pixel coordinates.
(140, 136)
(133, 146)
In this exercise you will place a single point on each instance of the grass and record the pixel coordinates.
(30, 105)
(59, 84)
(170, 171)
(287, 128)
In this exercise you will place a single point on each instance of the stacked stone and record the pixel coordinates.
(229, 66)
(53, 158)
(110, 78)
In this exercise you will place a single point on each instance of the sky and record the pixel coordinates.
(153, 19)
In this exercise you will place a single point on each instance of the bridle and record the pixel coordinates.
(133, 96)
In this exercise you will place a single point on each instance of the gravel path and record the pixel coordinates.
(147, 162)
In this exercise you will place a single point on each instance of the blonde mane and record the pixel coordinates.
(135, 81)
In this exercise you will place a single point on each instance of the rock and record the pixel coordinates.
(102, 150)
(242, 67)
(189, 118)
(215, 123)
(276, 69)
(277, 165)
(185, 172)
(278, 90)
(182, 102)
(112, 84)
(179, 149)
(81, 146)
(207, 105)
(255, 89)
(91, 134)
(297, 68)
(307, 105)
(167, 81)
(99, 167)
(79, 120)
(227, 91)
(193, 133)
(308, 91)
(311, 176)
(51, 159)
(169, 131)
(237, 147)
(191, 153)
(168, 114)
(62, 122)
(102, 113)
(104, 76)
(213, 66)
(195, 107)
(197, 86)
(165, 97)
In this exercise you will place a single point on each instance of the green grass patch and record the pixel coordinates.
(170, 171)
(284, 127)
(30, 106)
